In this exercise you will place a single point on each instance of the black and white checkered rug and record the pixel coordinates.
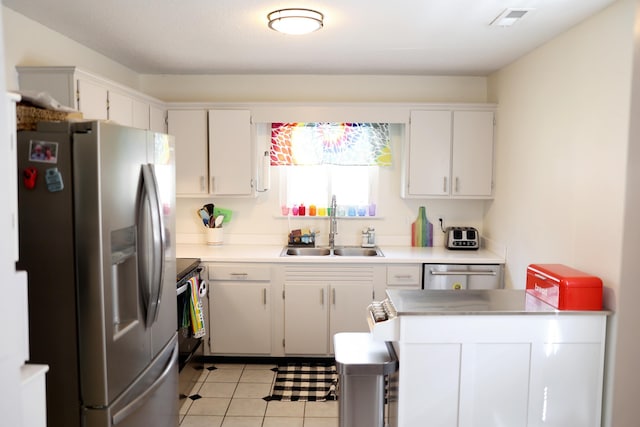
(305, 382)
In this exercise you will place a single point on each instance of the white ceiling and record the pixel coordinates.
(416, 37)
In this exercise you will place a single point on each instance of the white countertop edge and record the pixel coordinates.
(392, 254)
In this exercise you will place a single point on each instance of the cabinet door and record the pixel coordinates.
(189, 127)
(348, 309)
(230, 154)
(157, 119)
(429, 154)
(140, 115)
(93, 100)
(305, 318)
(240, 316)
(120, 108)
(472, 169)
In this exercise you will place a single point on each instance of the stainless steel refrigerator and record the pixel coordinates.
(97, 221)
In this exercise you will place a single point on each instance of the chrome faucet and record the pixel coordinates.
(333, 223)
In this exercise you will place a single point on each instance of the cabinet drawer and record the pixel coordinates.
(239, 272)
(403, 275)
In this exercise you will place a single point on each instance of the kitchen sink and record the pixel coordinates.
(345, 251)
(356, 251)
(306, 251)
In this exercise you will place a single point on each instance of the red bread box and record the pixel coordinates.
(563, 287)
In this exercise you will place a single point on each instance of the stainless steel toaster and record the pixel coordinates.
(462, 238)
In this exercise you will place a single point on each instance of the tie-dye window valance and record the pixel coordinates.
(344, 144)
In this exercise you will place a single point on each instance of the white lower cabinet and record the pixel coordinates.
(500, 370)
(239, 309)
(404, 276)
(314, 312)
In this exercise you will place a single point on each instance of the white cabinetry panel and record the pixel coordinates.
(449, 155)
(305, 318)
(230, 153)
(472, 166)
(240, 317)
(120, 108)
(429, 153)
(240, 309)
(189, 127)
(92, 100)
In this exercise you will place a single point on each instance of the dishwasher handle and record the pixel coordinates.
(462, 273)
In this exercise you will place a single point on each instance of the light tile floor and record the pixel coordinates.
(232, 396)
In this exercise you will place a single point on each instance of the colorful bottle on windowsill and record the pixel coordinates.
(302, 210)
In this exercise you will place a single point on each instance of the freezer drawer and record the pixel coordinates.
(149, 401)
(462, 276)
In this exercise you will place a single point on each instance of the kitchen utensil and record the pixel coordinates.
(221, 211)
(218, 221)
(204, 215)
(209, 207)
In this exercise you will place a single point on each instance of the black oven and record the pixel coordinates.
(191, 347)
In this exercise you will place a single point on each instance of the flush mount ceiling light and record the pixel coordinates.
(295, 21)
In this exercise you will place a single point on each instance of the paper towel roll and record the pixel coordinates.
(265, 173)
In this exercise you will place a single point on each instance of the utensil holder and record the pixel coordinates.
(215, 236)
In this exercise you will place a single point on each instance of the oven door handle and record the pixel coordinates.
(182, 289)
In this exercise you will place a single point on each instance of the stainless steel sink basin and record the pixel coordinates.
(356, 251)
(346, 251)
(307, 251)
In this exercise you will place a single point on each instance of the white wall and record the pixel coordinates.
(318, 88)
(29, 43)
(562, 147)
(11, 335)
(563, 118)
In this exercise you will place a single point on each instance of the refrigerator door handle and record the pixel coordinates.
(140, 400)
(152, 281)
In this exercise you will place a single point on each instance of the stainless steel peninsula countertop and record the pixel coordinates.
(472, 302)
(392, 254)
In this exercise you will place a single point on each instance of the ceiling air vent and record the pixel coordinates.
(509, 17)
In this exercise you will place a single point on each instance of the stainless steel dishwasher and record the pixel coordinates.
(462, 276)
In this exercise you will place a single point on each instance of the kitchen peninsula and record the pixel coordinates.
(493, 357)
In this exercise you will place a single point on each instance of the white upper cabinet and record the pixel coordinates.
(189, 127)
(449, 155)
(157, 119)
(230, 153)
(472, 154)
(120, 108)
(91, 98)
(214, 154)
(97, 98)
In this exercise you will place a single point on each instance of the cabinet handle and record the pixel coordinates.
(321, 296)
(201, 183)
(402, 276)
(264, 296)
(239, 276)
(444, 185)
(333, 296)
(457, 184)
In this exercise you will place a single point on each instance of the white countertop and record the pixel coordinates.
(392, 255)
(425, 302)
